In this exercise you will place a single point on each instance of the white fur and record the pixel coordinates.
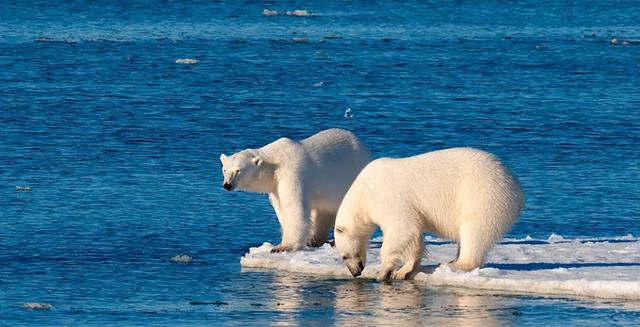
(305, 180)
(462, 194)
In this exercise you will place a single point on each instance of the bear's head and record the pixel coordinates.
(352, 244)
(243, 171)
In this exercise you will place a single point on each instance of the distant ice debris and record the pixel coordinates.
(218, 303)
(23, 187)
(182, 259)
(628, 237)
(186, 61)
(299, 13)
(37, 306)
(319, 84)
(553, 238)
(592, 267)
(50, 40)
(300, 40)
(267, 12)
(348, 114)
(625, 41)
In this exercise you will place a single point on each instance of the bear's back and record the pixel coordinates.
(336, 145)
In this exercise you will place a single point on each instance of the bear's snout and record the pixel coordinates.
(356, 271)
(227, 186)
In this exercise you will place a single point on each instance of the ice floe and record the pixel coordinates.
(186, 61)
(299, 13)
(348, 113)
(267, 12)
(37, 306)
(625, 41)
(182, 259)
(593, 267)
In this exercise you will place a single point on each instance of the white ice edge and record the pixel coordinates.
(592, 267)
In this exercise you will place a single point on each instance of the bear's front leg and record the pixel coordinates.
(293, 214)
(411, 257)
(275, 203)
(405, 249)
(387, 262)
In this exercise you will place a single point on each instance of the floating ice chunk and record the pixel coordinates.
(267, 12)
(37, 306)
(50, 40)
(217, 302)
(625, 42)
(182, 259)
(628, 237)
(348, 114)
(299, 13)
(553, 238)
(319, 84)
(186, 61)
(300, 40)
(23, 188)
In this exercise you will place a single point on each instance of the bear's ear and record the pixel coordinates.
(340, 230)
(223, 158)
(257, 160)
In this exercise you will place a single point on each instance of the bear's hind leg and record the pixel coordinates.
(473, 246)
(321, 224)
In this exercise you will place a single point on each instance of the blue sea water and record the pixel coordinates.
(109, 149)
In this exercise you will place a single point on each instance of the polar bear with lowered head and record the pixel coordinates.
(305, 181)
(462, 194)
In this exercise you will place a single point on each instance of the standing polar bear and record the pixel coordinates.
(305, 180)
(462, 194)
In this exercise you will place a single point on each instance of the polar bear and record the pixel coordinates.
(462, 194)
(305, 181)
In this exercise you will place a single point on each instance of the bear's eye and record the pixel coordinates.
(345, 257)
(224, 170)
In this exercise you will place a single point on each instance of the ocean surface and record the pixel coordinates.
(109, 149)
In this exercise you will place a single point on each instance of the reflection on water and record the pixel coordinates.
(409, 304)
(357, 302)
(306, 300)
(379, 304)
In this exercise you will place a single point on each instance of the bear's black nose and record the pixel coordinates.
(227, 186)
